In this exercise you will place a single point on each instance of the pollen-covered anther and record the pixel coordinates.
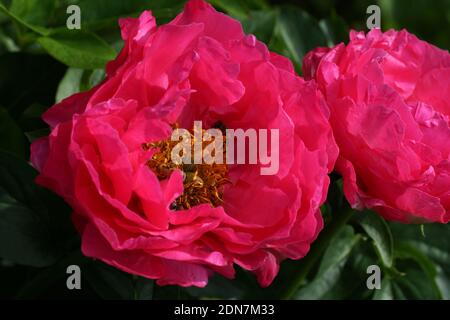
(202, 183)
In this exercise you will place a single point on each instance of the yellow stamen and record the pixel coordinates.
(203, 183)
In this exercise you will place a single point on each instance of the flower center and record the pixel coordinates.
(203, 183)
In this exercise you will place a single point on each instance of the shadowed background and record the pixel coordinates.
(41, 62)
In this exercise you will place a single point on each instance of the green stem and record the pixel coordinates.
(316, 251)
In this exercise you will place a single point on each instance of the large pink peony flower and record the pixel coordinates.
(389, 95)
(200, 66)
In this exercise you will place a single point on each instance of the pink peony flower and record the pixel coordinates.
(389, 95)
(127, 206)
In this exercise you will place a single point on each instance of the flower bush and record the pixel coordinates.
(94, 204)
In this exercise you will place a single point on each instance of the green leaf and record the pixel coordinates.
(102, 15)
(405, 250)
(170, 293)
(339, 249)
(69, 84)
(435, 244)
(415, 284)
(31, 118)
(12, 138)
(379, 231)
(237, 8)
(261, 24)
(8, 43)
(299, 31)
(385, 293)
(143, 288)
(45, 278)
(443, 282)
(37, 29)
(16, 178)
(78, 49)
(331, 266)
(412, 286)
(425, 21)
(220, 288)
(430, 252)
(29, 233)
(35, 12)
(108, 282)
(95, 78)
(22, 234)
(91, 78)
(335, 29)
(36, 134)
(352, 280)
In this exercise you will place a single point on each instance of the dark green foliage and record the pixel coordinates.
(41, 60)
